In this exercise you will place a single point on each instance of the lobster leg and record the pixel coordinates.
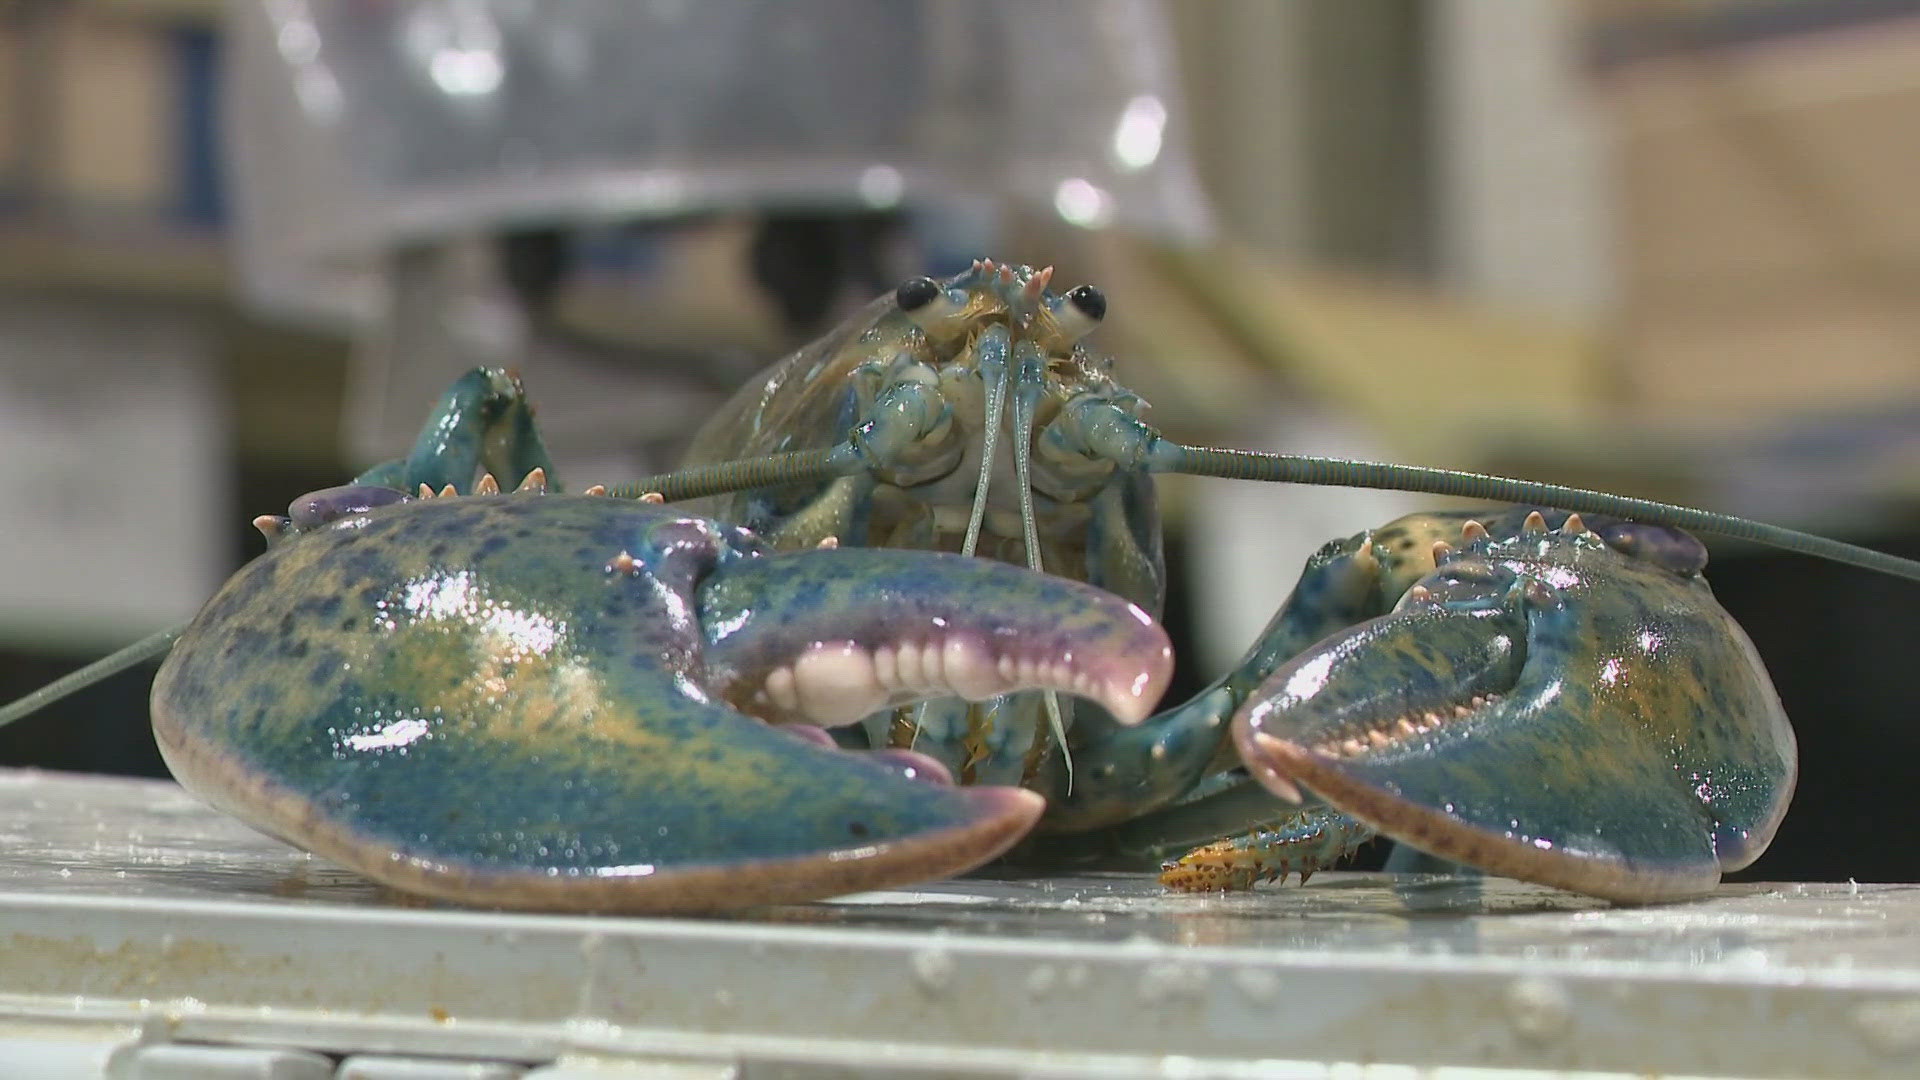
(483, 422)
(1296, 841)
(1133, 772)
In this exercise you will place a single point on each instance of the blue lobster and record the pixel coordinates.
(877, 651)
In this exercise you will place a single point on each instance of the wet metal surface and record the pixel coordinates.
(65, 835)
(121, 896)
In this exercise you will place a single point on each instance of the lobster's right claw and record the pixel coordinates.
(1545, 707)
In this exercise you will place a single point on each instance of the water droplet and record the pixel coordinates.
(933, 970)
(1167, 982)
(1539, 1009)
(1257, 983)
(1041, 980)
(1892, 1026)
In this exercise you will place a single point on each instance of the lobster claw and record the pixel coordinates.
(562, 702)
(1544, 706)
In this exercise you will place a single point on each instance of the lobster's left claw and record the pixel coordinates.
(557, 702)
(1543, 707)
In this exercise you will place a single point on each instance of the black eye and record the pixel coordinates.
(916, 294)
(1090, 301)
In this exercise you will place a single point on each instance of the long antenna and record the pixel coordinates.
(113, 664)
(1169, 456)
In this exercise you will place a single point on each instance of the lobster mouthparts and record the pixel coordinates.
(561, 702)
(1546, 707)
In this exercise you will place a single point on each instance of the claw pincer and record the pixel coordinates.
(1566, 705)
(562, 702)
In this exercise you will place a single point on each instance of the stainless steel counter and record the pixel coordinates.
(137, 920)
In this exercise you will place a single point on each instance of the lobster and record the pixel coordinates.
(872, 649)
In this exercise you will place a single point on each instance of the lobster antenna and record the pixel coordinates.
(1168, 456)
(991, 354)
(1029, 384)
(145, 649)
(723, 477)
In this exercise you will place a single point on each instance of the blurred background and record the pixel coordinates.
(1663, 247)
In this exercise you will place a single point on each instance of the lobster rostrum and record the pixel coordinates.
(598, 702)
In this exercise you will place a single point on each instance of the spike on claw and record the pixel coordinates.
(449, 491)
(1441, 551)
(487, 485)
(426, 491)
(652, 498)
(1534, 523)
(601, 489)
(1573, 524)
(270, 526)
(828, 543)
(1472, 531)
(535, 482)
(1419, 594)
(1364, 558)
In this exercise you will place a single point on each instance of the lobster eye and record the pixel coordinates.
(1089, 301)
(916, 294)
(1079, 311)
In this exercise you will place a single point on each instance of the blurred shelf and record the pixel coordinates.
(191, 11)
(142, 262)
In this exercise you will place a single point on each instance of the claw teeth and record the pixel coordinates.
(837, 682)
(1573, 524)
(651, 498)
(536, 482)
(1472, 531)
(1441, 550)
(1534, 523)
(270, 525)
(828, 543)
(487, 485)
(780, 688)
(1419, 594)
(426, 492)
(968, 671)
(601, 489)
(449, 492)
